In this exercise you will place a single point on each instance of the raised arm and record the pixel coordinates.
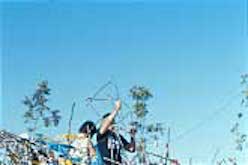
(109, 119)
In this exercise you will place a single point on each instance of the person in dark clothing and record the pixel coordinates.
(110, 142)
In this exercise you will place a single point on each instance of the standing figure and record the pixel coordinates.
(83, 151)
(110, 142)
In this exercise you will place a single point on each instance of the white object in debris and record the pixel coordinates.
(24, 135)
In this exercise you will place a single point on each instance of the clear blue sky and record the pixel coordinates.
(190, 54)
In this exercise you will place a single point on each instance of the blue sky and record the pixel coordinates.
(189, 54)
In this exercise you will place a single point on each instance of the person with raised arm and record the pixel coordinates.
(110, 142)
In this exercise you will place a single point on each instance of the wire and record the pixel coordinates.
(203, 122)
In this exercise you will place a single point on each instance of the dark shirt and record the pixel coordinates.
(110, 145)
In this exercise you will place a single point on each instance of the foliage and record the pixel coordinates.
(240, 135)
(37, 109)
(140, 95)
(155, 128)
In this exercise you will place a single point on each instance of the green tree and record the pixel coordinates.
(239, 134)
(140, 95)
(37, 111)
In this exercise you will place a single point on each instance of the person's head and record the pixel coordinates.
(111, 127)
(88, 128)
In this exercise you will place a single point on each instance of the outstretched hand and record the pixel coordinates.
(118, 105)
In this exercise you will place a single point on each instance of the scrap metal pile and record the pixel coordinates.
(17, 150)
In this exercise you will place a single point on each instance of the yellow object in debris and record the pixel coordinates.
(64, 161)
(70, 136)
(35, 162)
(68, 162)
